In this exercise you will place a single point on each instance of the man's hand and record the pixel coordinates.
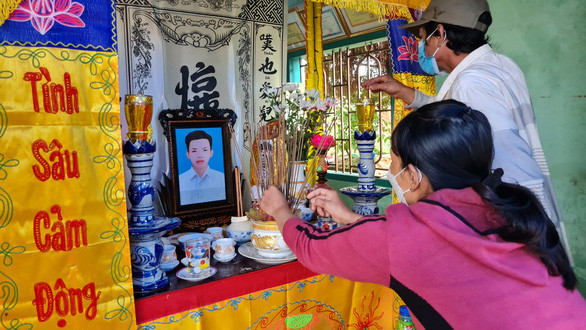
(389, 85)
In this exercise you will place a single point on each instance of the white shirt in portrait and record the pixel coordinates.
(208, 188)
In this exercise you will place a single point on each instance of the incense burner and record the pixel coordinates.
(268, 240)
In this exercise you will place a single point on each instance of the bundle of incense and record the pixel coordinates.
(277, 152)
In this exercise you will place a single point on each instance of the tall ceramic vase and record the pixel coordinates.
(144, 228)
(367, 194)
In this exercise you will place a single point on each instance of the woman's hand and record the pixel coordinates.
(328, 203)
(274, 204)
(389, 85)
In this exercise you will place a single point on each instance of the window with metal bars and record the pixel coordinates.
(344, 70)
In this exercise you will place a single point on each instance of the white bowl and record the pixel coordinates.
(268, 241)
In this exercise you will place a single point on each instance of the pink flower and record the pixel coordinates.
(44, 13)
(409, 50)
(322, 142)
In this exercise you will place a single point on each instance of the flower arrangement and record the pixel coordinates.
(322, 143)
(301, 109)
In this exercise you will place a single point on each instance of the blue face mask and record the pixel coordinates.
(428, 64)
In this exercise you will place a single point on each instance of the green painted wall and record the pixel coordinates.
(546, 39)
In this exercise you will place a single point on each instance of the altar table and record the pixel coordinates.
(245, 294)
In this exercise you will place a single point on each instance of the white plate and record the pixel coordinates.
(170, 266)
(249, 251)
(225, 259)
(184, 274)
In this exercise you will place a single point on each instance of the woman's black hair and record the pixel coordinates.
(462, 39)
(452, 146)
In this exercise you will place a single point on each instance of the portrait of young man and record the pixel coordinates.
(202, 178)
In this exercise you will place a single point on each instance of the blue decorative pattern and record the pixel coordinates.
(197, 314)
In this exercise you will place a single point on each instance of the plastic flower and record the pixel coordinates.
(330, 102)
(298, 107)
(44, 13)
(322, 142)
(320, 105)
(313, 94)
(290, 87)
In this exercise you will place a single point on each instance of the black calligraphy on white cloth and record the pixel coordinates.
(203, 85)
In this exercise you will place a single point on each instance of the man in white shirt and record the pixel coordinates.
(200, 183)
(453, 40)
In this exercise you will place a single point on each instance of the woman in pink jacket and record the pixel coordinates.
(464, 250)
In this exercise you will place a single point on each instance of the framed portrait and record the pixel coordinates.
(201, 168)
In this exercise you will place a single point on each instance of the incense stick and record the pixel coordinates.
(276, 150)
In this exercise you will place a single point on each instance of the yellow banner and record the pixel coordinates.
(321, 302)
(380, 8)
(64, 236)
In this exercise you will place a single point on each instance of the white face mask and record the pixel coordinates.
(396, 188)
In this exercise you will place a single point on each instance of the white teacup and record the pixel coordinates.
(216, 232)
(224, 248)
(169, 254)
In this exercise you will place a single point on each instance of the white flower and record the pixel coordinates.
(273, 92)
(313, 94)
(330, 102)
(321, 105)
(305, 104)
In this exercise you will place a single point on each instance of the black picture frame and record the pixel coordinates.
(205, 204)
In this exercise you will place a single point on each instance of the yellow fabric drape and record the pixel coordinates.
(315, 72)
(320, 302)
(380, 8)
(6, 8)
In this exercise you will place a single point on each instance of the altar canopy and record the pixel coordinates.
(63, 221)
(381, 8)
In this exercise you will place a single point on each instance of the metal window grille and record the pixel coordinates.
(344, 70)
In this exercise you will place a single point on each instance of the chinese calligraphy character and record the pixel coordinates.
(268, 40)
(267, 113)
(202, 81)
(267, 67)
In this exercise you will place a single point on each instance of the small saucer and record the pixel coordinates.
(169, 266)
(229, 258)
(184, 274)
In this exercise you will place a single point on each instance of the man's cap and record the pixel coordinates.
(463, 13)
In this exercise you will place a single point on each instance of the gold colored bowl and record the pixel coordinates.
(268, 240)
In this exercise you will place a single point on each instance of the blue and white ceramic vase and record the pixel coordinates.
(366, 194)
(144, 228)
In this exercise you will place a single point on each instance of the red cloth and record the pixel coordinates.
(172, 302)
(472, 281)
